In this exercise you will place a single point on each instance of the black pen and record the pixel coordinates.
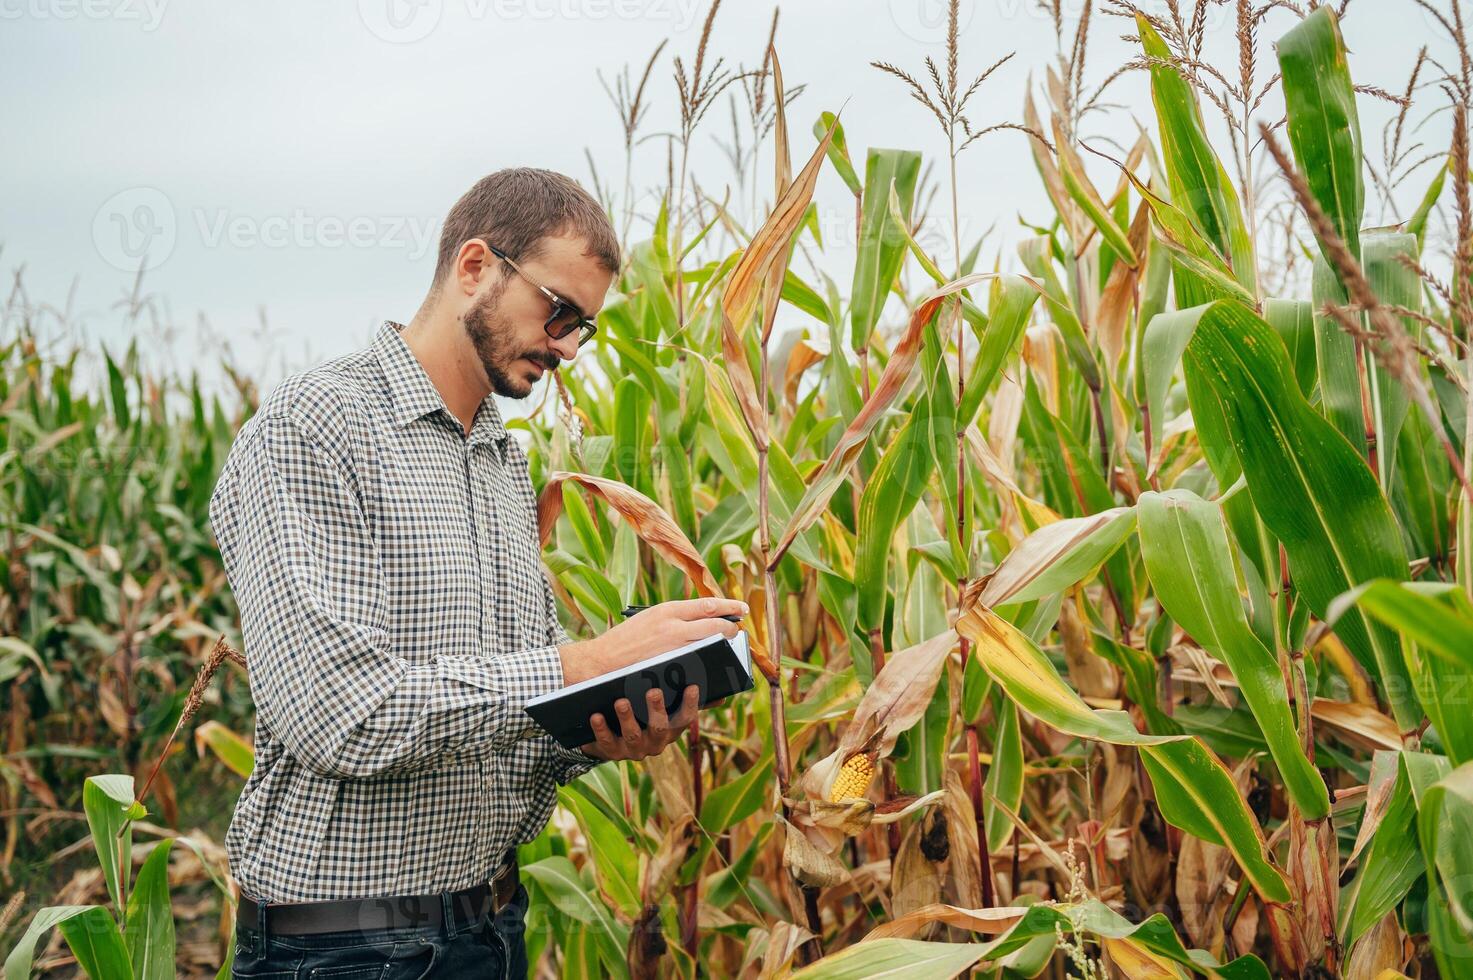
(631, 610)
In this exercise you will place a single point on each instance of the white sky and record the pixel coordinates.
(294, 159)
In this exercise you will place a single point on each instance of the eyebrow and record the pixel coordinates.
(562, 295)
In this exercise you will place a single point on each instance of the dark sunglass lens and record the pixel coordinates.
(564, 321)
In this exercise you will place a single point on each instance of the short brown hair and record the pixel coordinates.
(516, 208)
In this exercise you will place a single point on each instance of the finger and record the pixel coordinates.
(603, 736)
(702, 629)
(707, 607)
(689, 705)
(628, 724)
(659, 720)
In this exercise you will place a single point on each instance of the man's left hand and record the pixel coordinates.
(634, 742)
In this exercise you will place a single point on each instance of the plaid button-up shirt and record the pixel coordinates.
(396, 618)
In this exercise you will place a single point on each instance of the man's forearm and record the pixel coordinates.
(451, 704)
(583, 659)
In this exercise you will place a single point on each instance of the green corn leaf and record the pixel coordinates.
(838, 151)
(730, 803)
(1004, 775)
(1194, 790)
(920, 338)
(1417, 223)
(894, 959)
(806, 298)
(1154, 937)
(658, 305)
(119, 392)
(1199, 184)
(615, 861)
(91, 934)
(898, 224)
(1445, 827)
(1391, 862)
(578, 900)
(1310, 488)
(1009, 307)
(1185, 546)
(108, 803)
(1293, 321)
(1035, 253)
(1078, 184)
(1196, 793)
(1420, 492)
(882, 246)
(1032, 682)
(724, 886)
(1142, 685)
(1058, 556)
(1324, 128)
(891, 493)
(1162, 344)
(1395, 283)
(1436, 621)
(581, 519)
(150, 934)
(1335, 355)
(227, 746)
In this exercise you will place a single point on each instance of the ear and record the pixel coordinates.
(473, 263)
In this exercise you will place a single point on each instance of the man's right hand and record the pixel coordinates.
(649, 632)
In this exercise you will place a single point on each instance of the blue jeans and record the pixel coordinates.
(494, 947)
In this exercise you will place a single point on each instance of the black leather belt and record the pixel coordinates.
(467, 906)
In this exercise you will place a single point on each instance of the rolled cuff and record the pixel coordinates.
(569, 764)
(525, 675)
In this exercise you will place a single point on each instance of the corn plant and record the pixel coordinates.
(135, 938)
(1177, 557)
(114, 591)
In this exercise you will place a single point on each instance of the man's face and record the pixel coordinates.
(505, 318)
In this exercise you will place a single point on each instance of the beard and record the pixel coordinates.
(492, 336)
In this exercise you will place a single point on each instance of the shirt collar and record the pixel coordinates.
(413, 395)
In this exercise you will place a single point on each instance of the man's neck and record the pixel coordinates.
(438, 340)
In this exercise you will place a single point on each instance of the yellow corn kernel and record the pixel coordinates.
(854, 778)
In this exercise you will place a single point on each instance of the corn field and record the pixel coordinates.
(1113, 610)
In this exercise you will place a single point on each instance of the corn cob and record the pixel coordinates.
(854, 777)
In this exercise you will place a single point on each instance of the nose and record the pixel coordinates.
(567, 347)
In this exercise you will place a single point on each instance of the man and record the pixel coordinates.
(379, 531)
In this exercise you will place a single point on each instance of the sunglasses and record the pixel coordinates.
(565, 317)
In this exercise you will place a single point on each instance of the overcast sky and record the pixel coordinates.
(291, 161)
